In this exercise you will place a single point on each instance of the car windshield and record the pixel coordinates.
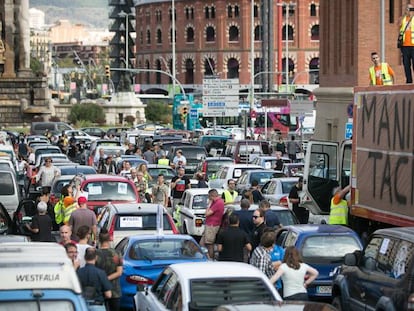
(287, 186)
(140, 222)
(214, 166)
(200, 201)
(320, 247)
(206, 294)
(40, 304)
(261, 177)
(155, 171)
(110, 191)
(165, 250)
(286, 217)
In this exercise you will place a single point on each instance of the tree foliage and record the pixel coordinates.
(158, 112)
(87, 112)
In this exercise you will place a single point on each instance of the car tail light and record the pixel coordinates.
(111, 229)
(139, 280)
(198, 222)
(284, 202)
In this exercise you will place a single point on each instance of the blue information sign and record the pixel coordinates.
(348, 130)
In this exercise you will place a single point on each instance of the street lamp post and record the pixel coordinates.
(126, 16)
(287, 6)
(252, 75)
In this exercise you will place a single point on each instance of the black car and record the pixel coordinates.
(381, 276)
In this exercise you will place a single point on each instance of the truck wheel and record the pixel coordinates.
(336, 302)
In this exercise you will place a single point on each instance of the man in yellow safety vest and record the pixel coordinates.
(380, 73)
(339, 207)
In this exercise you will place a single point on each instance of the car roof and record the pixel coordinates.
(196, 191)
(130, 208)
(208, 159)
(284, 179)
(103, 177)
(285, 306)
(160, 166)
(242, 165)
(319, 228)
(216, 269)
(134, 238)
(405, 233)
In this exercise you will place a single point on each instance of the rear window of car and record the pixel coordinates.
(200, 201)
(320, 247)
(110, 191)
(287, 186)
(140, 222)
(6, 184)
(214, 166)
(210, 293)
(165, 250)
(155, 171)
(261, 177)
(286, 218)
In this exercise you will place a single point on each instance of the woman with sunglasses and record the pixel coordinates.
(46, 173)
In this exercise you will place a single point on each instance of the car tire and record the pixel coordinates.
(336, 302)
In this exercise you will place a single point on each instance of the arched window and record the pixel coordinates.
(141, 37)
(290, 33)
(229, 11)
(158, 74)
(232, 68)
(159, 36)
(210, 34)
(236, 11)
(209, 67)
(256, 11)
(313, 9)
(207, 12)
(315, 32)
(258, 33)
(170, 65)
(190, 34)
(233, 33)
(189, 71)
(314, 71)
(291, 69)
(148, 36)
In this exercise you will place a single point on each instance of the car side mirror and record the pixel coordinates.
(350, 259)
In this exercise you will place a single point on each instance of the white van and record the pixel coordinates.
(38, 276)
(9, 190)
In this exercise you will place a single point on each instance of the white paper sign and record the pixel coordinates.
(130, 222)
(122, 188)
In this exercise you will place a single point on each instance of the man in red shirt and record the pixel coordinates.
(214, 215)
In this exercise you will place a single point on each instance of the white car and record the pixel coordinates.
(205, 286)
(278, 188)
(192, 211)
(230, 171)
(81, 135)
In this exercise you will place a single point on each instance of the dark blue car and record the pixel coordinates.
(145, 256)
(323, 247)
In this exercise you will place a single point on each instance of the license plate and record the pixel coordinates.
(324, 289)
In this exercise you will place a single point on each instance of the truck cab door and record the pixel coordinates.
(321, 175)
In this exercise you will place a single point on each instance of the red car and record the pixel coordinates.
(103, 188)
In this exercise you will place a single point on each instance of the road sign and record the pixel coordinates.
(193, 113)
(348, 130)
(220, 97)
(301, 107)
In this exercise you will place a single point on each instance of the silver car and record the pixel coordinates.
(276, 190)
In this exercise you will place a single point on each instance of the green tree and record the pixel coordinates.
(158, 112)
(87, 112)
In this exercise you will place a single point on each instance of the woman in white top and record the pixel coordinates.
(46, 173)
(293, 272)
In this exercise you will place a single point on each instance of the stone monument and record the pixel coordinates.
(17, 83)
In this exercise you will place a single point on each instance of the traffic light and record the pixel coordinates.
(107, 71)
(183, 114)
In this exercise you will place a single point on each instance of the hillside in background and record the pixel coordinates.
(93, 13)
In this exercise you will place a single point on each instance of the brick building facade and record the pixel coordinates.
(214, 38)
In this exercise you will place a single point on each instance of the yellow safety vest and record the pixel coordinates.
(402, 28)
(386, 77)
(163, 161)
(228, 198)
(339, 213)
(67, 211)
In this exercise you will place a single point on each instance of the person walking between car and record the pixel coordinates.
(95, 284)
(160, 192)
(301, 213)
(272, 221)
(41, 226)
(232, 241)
(380, 73)
(83, 216)
(259, 227)
(339, 207)
(256, 193)
(407, 44)
(214, 214)
(47, 173)
(111, 262)
(230, 194)
(261, 255)
(72, 253)
(293, 272)
(178, 185)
